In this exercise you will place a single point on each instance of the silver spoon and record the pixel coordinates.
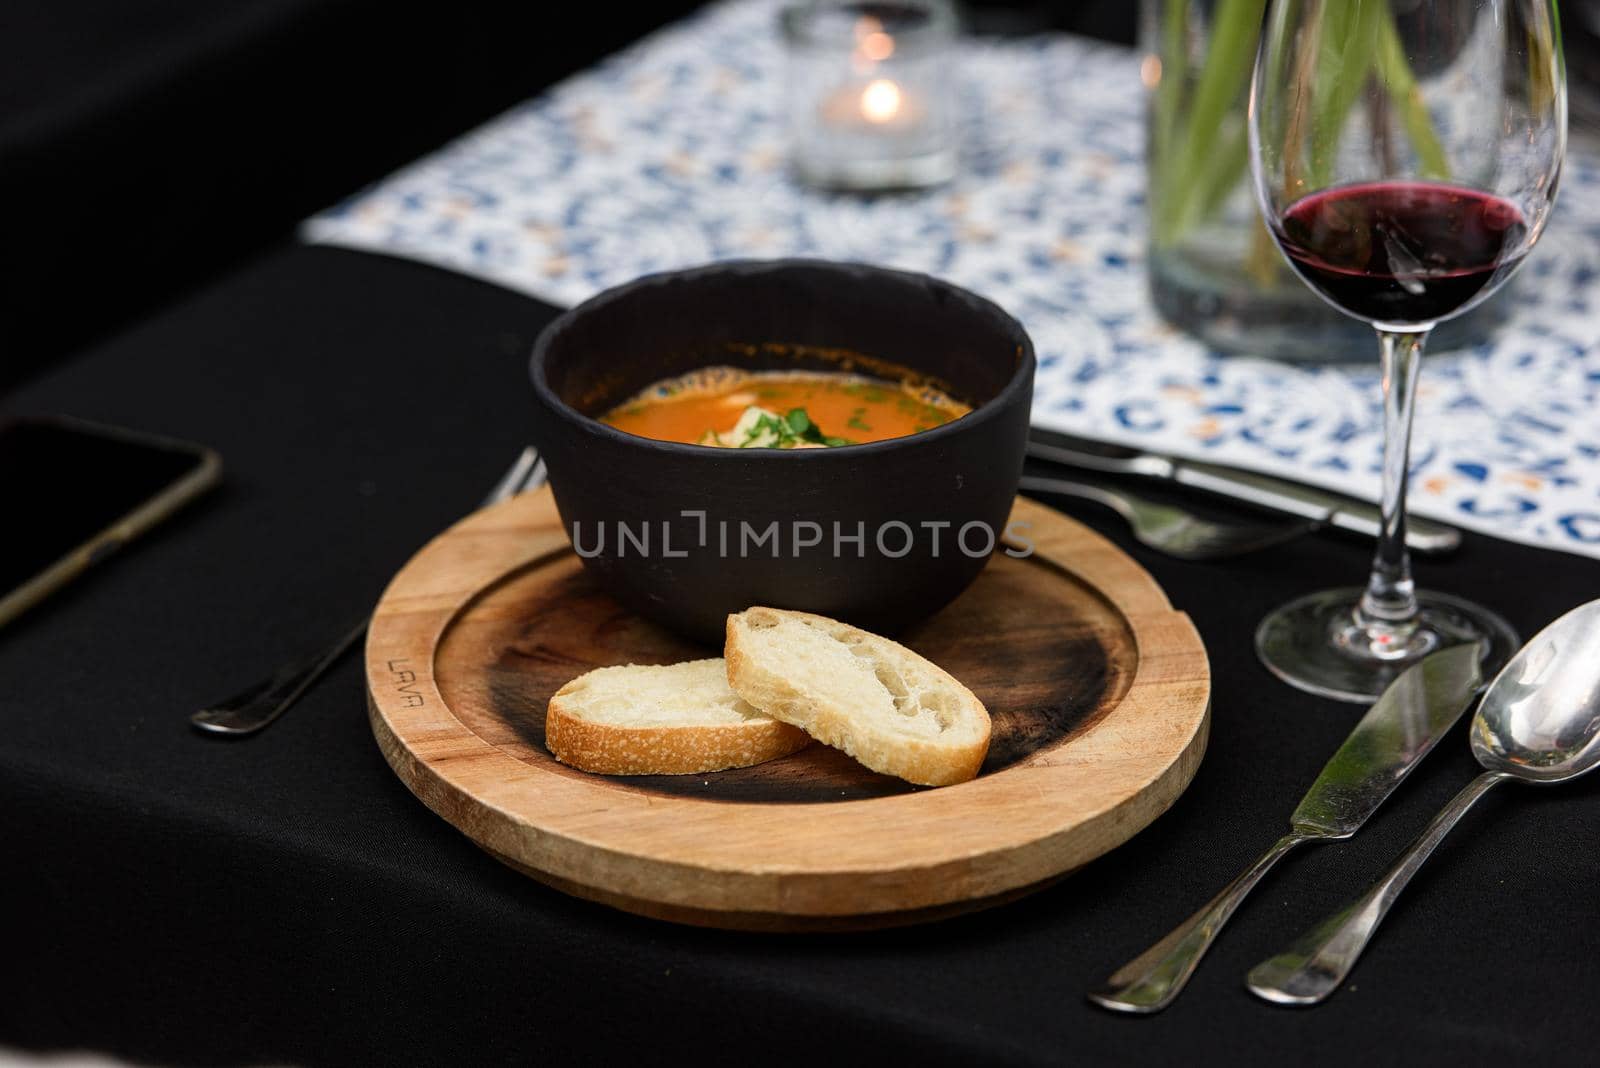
(1171, 530)
(1539, 723)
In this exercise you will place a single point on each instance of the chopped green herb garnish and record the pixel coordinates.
(765, 431)
(760, 429)
(801, 426)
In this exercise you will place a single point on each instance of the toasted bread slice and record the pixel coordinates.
(874, 698)
(677, 720)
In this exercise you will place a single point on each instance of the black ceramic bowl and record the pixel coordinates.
(881, 535)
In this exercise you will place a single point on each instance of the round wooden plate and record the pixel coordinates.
(1099, 692)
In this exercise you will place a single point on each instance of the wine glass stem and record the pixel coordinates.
(1388, 609)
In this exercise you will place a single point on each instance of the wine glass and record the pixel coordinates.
(1406, 156)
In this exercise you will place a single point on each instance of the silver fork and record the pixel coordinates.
(1173, 531)
(252, 709)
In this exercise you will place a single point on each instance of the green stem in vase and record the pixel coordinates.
(1221, 84)
(1401, 85)
(1224, 168)
(1359, 40)
(1173, 70)
(1262, 261)
(1346, 44)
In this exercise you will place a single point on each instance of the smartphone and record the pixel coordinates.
(74, 492)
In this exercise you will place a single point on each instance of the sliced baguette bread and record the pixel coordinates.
(676, 720)
(877, 700)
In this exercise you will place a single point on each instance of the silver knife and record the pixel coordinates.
(1417, 709)
(1263, 491)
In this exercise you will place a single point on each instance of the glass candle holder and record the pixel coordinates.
(870, 93)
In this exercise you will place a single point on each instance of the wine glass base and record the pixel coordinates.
(1315, 643)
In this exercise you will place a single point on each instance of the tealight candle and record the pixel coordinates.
(870, 93)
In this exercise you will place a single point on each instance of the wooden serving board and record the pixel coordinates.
(1098, 689)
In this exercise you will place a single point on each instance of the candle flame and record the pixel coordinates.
(876, 46)
(880, 101)
(873, 43)
(1150, 71)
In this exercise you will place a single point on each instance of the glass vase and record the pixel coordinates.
(1213, 269)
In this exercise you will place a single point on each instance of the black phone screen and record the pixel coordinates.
(63, 484)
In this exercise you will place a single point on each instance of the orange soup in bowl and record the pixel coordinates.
(725, 407)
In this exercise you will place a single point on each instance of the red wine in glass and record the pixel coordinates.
(1402, 252)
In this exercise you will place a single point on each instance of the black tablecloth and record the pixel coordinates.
(285, 899)
(144, 144)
